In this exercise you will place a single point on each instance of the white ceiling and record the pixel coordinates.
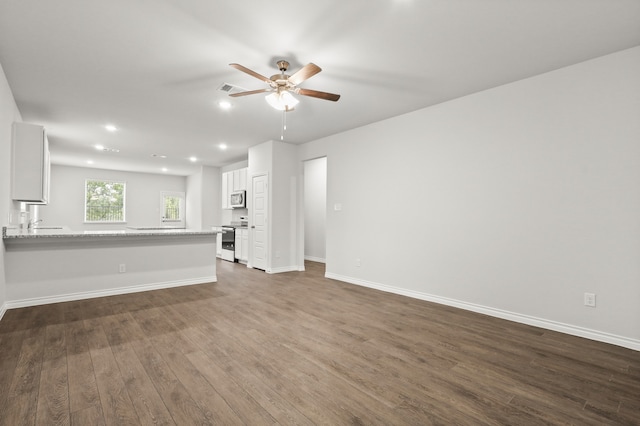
(152, 68)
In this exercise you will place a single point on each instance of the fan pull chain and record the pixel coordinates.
(284, 124)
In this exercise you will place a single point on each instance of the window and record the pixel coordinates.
(104, 201)
(172, 207)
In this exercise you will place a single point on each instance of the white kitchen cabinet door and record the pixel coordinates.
(236, 180)
(230, 189)
(219, 245)
(244, 245)
(242, 186)
(30, 164)
(240, 179)
(238, 244)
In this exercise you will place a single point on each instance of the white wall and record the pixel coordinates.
(235, 166)
(193, 202)
(515, 201)
(280, 161)
(284, 189)
(315, 209)
(211, 196)
(142, 196)
(260, 160)
(203, 198)
(8, 114)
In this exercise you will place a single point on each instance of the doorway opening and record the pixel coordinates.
(315, 211)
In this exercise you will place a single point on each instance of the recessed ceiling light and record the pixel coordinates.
(105, 149)
(164, 169)
(111, 127)
(222, 146)
(193, 159)
(89, 161)
(224, 104)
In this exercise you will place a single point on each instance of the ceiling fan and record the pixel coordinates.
(282, 85)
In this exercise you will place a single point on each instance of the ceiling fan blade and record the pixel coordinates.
(304, 73)
(317, 94)
(250, 92)
(251, 72)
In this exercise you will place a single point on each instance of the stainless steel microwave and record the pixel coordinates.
(237, 200)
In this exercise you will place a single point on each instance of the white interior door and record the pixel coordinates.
(259, 225)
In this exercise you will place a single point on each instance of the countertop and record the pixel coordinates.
(234, 226)
(65, 232)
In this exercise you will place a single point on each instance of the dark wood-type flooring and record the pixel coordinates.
(297, 348)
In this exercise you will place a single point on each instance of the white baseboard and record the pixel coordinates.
(499, 313)
(315, 259)
(102, 293)
(283, 269)
(3, 309)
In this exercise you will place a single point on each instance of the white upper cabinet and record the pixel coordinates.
(235, 180)
(230, 184)
(30, 164)
(240, 179)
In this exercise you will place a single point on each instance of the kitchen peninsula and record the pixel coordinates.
(55, 264)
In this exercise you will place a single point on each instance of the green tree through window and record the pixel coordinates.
(172, 208)
(104, 201)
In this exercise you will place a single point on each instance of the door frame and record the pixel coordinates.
(250, 203)
(182, 196)
(303, 216)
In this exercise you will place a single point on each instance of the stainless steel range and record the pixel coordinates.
(228, 243)
(229, 238)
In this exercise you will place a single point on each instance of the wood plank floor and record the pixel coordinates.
(297, 348)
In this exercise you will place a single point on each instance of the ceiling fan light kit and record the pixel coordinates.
(282, 101)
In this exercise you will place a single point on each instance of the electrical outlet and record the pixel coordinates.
(590, 300)
(122, 268)
(358, 263)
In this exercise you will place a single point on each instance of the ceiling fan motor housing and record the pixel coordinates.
(280, 80)
(282, 65)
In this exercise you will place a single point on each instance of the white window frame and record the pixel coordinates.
(182, 213)
(124, 201)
